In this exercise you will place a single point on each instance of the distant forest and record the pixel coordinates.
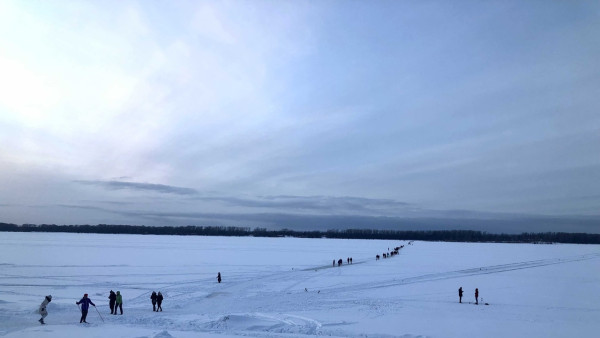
(443, 235)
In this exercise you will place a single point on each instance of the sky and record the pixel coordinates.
(305, 114)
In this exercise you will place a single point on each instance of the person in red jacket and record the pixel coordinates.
(476, 296)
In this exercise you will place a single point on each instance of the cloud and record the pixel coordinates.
(323, 203)
(120, 185)
(301, 108)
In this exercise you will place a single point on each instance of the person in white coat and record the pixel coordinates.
(42, 310)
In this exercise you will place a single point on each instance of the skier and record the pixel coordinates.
(112, 298)
(460, 293)
(159, 300)
(219, 277)
(119, 302)
(153, 297)
(43, 310)
(85, 305)
(476, 296)
(334, 262)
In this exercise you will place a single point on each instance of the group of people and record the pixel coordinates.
(340, 261)
(156, 300)
(460, 294)
(115, 302)
(85, 303)
(390, 254)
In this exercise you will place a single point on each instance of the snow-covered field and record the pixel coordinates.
(287, 287)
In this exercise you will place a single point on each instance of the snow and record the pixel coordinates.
(287, 287)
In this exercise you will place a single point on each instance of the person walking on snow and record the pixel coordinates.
(476, 296)
(85, 305)
(119, 302)
(153, 298)
(460, 293)
(42, 310)
(112, 298)
(159, 300)
(219, 277)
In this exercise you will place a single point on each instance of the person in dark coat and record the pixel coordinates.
(476, 296)
(112, 297)
(460, 293)
(219, 277)
(159, 300)
(153, 298)
(85, 305)
(42, 310)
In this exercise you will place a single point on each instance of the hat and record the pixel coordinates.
(85, 295)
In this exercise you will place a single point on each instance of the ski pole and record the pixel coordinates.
(99, 314)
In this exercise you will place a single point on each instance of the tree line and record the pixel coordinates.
(421, 235)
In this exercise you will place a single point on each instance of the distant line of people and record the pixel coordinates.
(340, 261)
(390, 253)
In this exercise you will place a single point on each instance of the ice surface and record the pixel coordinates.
(287, 287)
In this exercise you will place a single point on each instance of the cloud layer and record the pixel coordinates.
(307, 109)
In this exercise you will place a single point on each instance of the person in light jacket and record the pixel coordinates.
(42, 310)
